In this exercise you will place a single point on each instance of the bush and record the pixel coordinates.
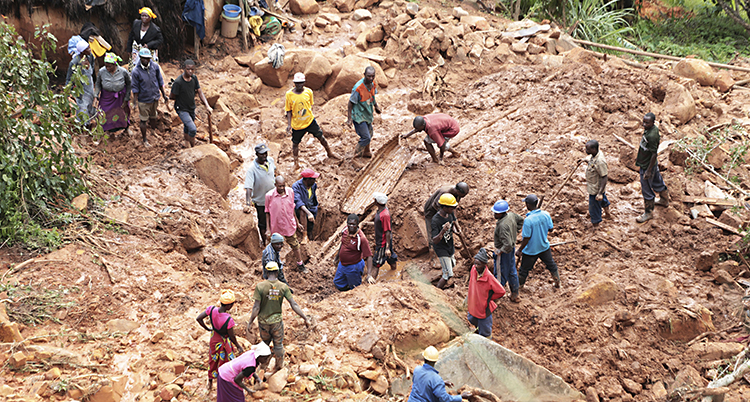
(39, 168)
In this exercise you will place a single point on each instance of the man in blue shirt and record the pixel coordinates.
(428, 386)
(147, 83)
(272, 252)
(535, 244)
(306, 199)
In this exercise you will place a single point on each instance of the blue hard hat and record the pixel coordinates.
(500, 207)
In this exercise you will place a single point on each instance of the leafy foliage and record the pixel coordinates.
(39, 168)
(597, 21)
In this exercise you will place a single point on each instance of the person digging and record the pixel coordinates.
(440, 128)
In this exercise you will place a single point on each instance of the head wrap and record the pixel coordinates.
(227, 297)
(262, 349)
(147, 11)
(482, 256)
(81, 46)
(277, 238)
(110, 57)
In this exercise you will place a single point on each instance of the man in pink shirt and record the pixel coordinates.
(440, 128)
(281, 219)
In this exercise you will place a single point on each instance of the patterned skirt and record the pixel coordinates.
(220, 351)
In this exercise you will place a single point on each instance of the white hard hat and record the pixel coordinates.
(299, 77)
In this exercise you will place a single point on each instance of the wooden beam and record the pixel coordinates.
(243, 19)
(711, 201)
(197, 46)
(624, 141)
(723, 226)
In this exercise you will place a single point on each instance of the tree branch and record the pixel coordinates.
(733, 14)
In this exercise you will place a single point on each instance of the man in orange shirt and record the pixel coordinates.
(484, 289)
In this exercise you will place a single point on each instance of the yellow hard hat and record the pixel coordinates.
(448, 200)
(272, 266)
(431, 353)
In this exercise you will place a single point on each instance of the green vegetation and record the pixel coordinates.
(33, 306)
(40, 171)
(733, 139)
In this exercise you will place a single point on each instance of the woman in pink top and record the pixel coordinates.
(220, 350)
(232, 375)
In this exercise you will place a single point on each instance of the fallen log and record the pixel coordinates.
(723, 226)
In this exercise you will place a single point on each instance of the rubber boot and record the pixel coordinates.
(663, 200)
(441, 283)
(648, 214)
(367, 153)
(607, 214)
(514, 297)
(359, 151)
(556, 278)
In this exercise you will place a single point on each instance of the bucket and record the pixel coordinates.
(229, 26)
(231, 10)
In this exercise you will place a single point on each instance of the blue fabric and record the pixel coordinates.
(188, 123)
(428, 386)
(649, 188)
(507, 272)
(364, 130)
(147, 84)
(301, 198)
(535, 227)
(193, 14)
(484, 324)
(349, 276)
(269, 254)
(595, 207)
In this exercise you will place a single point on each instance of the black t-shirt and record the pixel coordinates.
(184, 92)
(443, 248)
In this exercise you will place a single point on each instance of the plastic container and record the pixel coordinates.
(229, 26)
(231, 10)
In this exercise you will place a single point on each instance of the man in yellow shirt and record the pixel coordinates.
(299, 117)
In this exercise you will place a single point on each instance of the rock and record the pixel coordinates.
(688, 377)
(170, 391)
(459, 12)
(239, 227)
(301, 7)
(157, 336)
(731, 219)
(420, 107)
(696, 69)
(212, 166)
(75, 393)
(535, 49)
(592, 395)
(321, 22)
(121, 325)
(632, 386)
(278, 380)
(178, 368)
(476, 51)
(345, 6)
(583, 56)
(332, 18)
(306, 369)
(370, 374)
(193, 238)
(402, 19)
(380, 385)
(17, 360)
(375, 34)
(52, 374)
(679, 103)
(106, 394)
(413, 236)
(602, 291)
(716, 350)
(227, 121)
(9, 332)
(275, 77)
(361, 15)
(81, 202)
(677, 156)
(731, 266)
(519, 47)
(609, 387)
(361, 41)
(706, 260)
(347, 71)
(367, 341)
(412, 9)
(724, 81)
(660, 393)
(625, 318)
(551, 60)
(722, 277)
(475, 22)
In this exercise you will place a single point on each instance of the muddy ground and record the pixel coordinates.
(110, 316)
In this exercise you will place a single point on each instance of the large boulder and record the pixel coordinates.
(300, 7)
(275, 77)
(348, 71)
(317, 71)
(239, 226)
(724, 81)
(696, 69)
(679, 103)
(601, 291)
(212, 166)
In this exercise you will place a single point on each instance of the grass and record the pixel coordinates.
(33, 306)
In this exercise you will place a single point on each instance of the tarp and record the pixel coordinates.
(193, 13)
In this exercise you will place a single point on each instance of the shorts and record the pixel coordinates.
(147, 110)
(429, 140)
(292, 241)
(313, 129)
(447, 263)
(275, 333)
(379, 258)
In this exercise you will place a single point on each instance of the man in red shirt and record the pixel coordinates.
(353, 252)
(281, 219)
(440, 128)
(383, 237)
(483, 290)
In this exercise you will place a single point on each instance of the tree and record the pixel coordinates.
(40, 170)
(735, 13)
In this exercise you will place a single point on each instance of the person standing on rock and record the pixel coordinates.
(269, 296)
(354, 254)
(147, 84)
(596, 182)
(259, 180)
(272, 254)
(506, 231)
(306, 199)
(535, 244)
(281, 218)
(651, 180)
(428, 386)
(383, 235)
(432, 206)
(220, 349)
(183, 93)
(230, 383)
(300, 120)
(359, 112)
(484, 289)
(443, 226)
(440, 128)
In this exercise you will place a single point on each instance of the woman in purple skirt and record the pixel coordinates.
(233, 373)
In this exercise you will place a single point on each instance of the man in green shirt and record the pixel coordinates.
(359, 112)
(506, 232)
(269, 296)
(651, 180)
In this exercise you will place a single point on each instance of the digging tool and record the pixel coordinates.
(563, 242)
(563, 184)
(210, 130)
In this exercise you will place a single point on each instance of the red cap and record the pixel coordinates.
(309, 174)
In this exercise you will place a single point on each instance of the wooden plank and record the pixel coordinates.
(243, 24)
(624, 141)
(373, 57)
(197, 40)
(723, 226)
(710, 201)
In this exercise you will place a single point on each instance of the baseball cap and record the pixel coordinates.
(261, 148)
(309, 174)
(380, 198)
(299, 77)
(277, 238)
(144, 53)
(531, 198)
